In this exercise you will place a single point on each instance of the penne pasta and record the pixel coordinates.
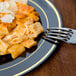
(29, 43)
(16, 50)
(19, 27)
(3, 48)
(3, 31)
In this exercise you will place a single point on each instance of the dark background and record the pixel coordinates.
(63, 61)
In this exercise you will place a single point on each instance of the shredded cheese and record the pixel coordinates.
(22, 1)
(8, 18)
(9, 7)
(4, 7)
(13, 5)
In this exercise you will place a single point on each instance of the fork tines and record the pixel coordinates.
(56, 28)
(62, 34)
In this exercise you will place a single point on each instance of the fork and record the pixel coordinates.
(67, 35)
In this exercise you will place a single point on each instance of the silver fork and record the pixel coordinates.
(67, 35)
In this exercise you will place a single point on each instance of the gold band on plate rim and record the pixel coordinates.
(59, 20)
(40, 44)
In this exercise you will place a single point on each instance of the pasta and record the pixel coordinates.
(19, 27)
(3, 48)
(16, 50)
(3, 30)
(29, 43)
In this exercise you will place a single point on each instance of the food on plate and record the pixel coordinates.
(19, 26)
(16, 50)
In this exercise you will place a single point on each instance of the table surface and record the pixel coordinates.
(63, 61)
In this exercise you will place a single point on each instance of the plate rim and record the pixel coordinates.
(51, 49)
